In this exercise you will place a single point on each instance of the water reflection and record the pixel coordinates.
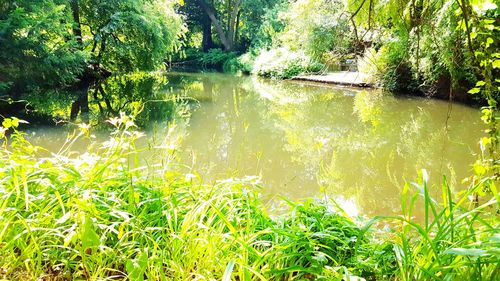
(304, 140)
(143, 94)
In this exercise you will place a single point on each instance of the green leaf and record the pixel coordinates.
(228, 271)
(89, 237)
(15, 122)
(480, 83)
(496, 64)
(489, 41)
(7, 123)
(12, 122)
(479, 169)
(466, 252)
(137, 267)
(474, 91)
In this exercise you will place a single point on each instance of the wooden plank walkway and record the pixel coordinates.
(347, 78)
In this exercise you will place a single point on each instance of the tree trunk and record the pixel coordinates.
(207, 42)
(106, 100)
(232, 23)
(218, 26)
(237, 27)
(81, 105)
(227, 39)
(77, 28)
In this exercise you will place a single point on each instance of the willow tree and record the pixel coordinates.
(37, 47)
(428, 45)
(73, 43)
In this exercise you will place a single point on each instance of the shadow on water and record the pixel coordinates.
(143, 94)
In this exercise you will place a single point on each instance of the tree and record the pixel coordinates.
(37, 50)
(75, 43)
(232, 11)
(235, 22)
(197, 20)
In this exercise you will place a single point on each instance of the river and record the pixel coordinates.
(358, 146)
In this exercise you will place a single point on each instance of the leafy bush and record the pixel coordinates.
(316, 27)
(243, 63)
(398, 76)
(283, 64)
(371, 66)
(215, 58)
(272, 24)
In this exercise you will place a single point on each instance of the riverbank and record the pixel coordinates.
(345, 78)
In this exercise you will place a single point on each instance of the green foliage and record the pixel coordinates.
(42, 47)
(272, 24)
(253, 16)
(317, 239)
(398, 76)
(236, 23)
(37, 50)
(317, 28)
(453, 240)
(284, 64)
(243, 64)
(215, 58)
(132, 35)
(426, 47)
(483, 30)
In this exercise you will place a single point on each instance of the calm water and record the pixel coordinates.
(304, 140)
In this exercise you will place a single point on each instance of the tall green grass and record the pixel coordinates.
(454, 240)
(99, 215)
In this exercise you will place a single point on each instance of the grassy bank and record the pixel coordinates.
(101, 216)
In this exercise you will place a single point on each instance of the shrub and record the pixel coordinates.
(397, 76)
(315, 27)
(215, 58)
(283, 64)
(243, 63)
(371, 65)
